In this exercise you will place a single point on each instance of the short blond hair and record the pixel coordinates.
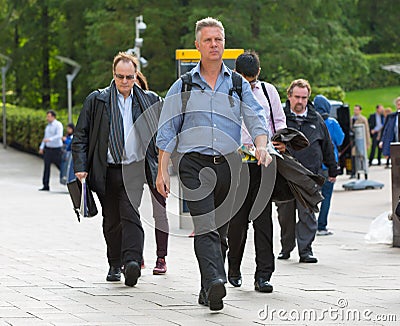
(208, 22)
(302, 83)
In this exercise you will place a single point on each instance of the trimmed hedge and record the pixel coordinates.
(25, 127)
(376, 76)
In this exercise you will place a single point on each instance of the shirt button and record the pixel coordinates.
(215, 125)
(215, 139)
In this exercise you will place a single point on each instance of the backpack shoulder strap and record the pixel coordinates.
(186, 88)
(237, 86)
(271, 115)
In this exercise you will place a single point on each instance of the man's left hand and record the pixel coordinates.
(263, 156)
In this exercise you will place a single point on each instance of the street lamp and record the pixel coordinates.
(140, 27)
(70, 78)
(3, 78)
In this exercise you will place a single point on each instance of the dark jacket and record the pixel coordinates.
(320, 149)
(98, 102)
(293, 180)
(388, 133)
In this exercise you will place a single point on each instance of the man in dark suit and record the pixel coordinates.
(376, 121)
(117, 160)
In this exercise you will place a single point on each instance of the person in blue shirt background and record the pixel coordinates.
(67, 166)
(323, 107)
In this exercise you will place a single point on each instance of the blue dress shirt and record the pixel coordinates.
(53, 132)
(210, 125)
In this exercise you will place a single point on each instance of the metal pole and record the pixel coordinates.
(137, 20)
(3, 78)
(69, 87)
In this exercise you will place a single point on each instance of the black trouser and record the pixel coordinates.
(375, 144)
(210, 190)
(263, 231)
(50, 155)
(122, 227)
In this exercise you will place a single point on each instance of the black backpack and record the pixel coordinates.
(187, 85)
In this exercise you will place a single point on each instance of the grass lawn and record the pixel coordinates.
(369, 98)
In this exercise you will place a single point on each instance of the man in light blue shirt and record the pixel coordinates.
(207, 136)
(51, 147)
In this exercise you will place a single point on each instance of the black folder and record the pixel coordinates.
(75, 191)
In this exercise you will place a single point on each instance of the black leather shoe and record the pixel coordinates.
(284, 255)
(132, 273)
(308, 259)
(236, 281)
(263, 285)
(114, 274)
(44, 189)
(203, 298)
(215, 294)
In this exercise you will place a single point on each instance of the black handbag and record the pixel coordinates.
(75, 191)
(75, 187)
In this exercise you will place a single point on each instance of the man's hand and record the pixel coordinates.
(163, 183)
(332, 179)
(263, 156)
(279, 146)
(81, 175)
(41, 151)
(163, 180)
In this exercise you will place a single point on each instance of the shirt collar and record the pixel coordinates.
(224, 69)
(130, 94)
(304, 114)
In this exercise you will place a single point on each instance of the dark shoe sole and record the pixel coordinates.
(309, 261)
(158, 273)
(264, 289)
(113, 278)
(132, 273)
(235, 281)
(284, 256)
(216, 292)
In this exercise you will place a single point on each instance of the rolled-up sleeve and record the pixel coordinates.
(171, 119)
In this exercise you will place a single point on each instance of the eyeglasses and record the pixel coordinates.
(128, 77)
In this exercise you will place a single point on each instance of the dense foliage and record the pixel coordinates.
(331, 43)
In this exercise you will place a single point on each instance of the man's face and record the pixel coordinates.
(398, 105)
(210, 43)
(50, 118)
(298, 100)
(380, 109)
(124, 76)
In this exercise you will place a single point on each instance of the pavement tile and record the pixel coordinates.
(53, 269)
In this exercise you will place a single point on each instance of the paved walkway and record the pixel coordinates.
(53, 269)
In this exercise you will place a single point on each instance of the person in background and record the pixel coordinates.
(67, 166)
(248, 65)
(323, 107)
(376, 122)
(51, 147)
(158, 202)
(120, 160)
(301, 115)
(386, 112)
(390, 130)
(356, 119)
